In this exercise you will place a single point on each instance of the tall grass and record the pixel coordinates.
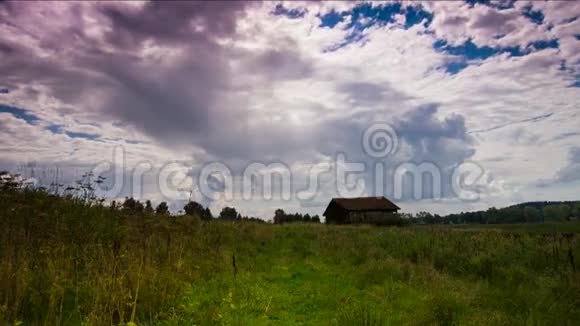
(64, 262)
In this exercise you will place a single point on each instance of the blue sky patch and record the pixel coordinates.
(455, 67)
(474, 2)
(468, 50)
(331, 19)
(55, 129)
(471, 51)
(362, 16)
(84, 135)
(498, 5)
(20, 113)
(535, 16)
(366, 15)
(32, 120)
(415, 15)
(540, 45)
(59, 129)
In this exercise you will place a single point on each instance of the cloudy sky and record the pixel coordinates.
(177, 86)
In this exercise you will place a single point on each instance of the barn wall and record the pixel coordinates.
(336, 215)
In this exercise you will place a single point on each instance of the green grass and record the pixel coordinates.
(64, 263)
(547, 227)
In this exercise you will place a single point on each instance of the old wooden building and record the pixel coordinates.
(362, 210)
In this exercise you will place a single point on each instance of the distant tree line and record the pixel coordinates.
(133, 206)
(230, 214)
(531, 212)
(281, 217)
(84, 190)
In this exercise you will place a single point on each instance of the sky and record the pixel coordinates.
(179, 100)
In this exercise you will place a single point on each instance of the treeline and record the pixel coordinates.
(531, 212)
(192, 208)
(281, 217)
(84, 190)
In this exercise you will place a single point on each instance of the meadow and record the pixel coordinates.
(64, 262)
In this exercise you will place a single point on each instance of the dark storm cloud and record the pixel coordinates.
(194, 99)
(6, 48)
(169, 99)
(422, 137)
(173, 21)
(179, 97)
(187, 94)
(443, 142)
(422, 123)
(167, 104)
(173, 101)
(177, 101)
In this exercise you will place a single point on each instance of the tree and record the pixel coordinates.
(148, 207)
(207, 216)
(425, 217)
(162, 209)
(556, 212)
(279, 216)
(114, 205)
(576, 211)
(511, 214)
(229, 213)
(491, 215)
(195, 208)
(532, 214)
(131, 205)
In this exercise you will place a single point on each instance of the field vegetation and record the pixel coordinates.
(67, 261)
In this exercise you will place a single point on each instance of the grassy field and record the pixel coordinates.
(548, 227)
(63, 263)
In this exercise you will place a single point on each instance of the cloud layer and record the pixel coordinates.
(297, 83)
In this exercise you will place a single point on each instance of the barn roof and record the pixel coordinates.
(364, 204)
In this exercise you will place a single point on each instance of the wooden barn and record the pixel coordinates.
(362, 210)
